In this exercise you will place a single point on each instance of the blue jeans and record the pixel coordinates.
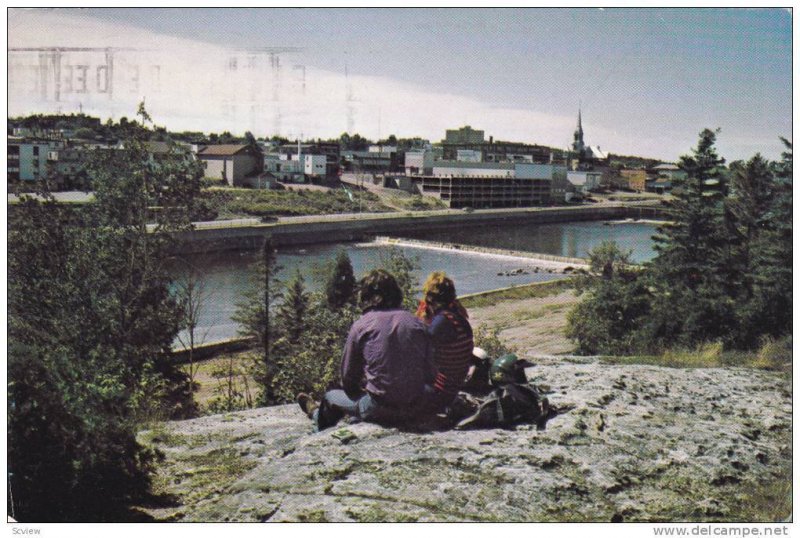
(336, 404)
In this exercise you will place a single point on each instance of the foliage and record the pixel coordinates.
(253, 317)
(340, 287)
(191, 292)
(232, 391)
(235, 203)
(293, 309)
(402, 267)
(613, 306)
(91, 318)
(355, 142)
(489, 340)
(722, 271)
(308, 332)
(312, 365)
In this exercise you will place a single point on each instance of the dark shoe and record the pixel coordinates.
(307, 404)
(545, 415)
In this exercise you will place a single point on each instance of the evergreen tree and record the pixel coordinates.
(402, 268)
(769, 309)
(291, 313)
(253, 317)
(693, 272)
(340, 286)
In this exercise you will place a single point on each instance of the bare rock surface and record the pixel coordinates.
(632, 443)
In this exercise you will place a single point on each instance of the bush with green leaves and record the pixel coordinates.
(488, 339)
(91, 322)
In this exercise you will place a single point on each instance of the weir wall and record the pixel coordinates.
(359, 228)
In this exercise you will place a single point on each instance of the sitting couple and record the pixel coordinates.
(397, 367)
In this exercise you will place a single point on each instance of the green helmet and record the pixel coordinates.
(503, 370)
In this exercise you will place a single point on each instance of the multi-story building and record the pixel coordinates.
(464, 135)
(584, 180)
(486, 185)
(28, 159)
(419, 162)
(370, 161)
(330, 150)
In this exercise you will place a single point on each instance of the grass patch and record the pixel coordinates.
(238, 203)
(526, 291)
(211, 384)
(768, 500)
(775, 355)
(313, 516)
(417, 202)
(376, 514)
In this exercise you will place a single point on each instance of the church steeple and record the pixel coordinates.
(577, 143)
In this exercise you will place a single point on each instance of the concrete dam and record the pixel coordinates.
(337, 228)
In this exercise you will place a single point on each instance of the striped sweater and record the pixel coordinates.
(452, 341)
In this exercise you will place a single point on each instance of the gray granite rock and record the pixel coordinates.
(631, 443)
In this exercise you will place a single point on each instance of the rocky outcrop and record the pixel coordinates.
(632, 443)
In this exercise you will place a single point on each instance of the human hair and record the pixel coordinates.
(439, 290)
(379, 289)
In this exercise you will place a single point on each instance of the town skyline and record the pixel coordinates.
(647, 91)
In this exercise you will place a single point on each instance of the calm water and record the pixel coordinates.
(225, 276)
(574, 239)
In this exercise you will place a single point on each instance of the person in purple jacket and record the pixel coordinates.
(386, 364)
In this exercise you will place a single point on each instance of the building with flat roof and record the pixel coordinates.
(464, 135)
(488, 185)
(28, 159)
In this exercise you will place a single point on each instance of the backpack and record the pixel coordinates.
(505, 406)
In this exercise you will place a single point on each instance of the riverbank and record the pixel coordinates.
(291, 231)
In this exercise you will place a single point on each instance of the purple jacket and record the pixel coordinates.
(391, 350)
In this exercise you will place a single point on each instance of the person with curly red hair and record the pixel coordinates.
(448, 326)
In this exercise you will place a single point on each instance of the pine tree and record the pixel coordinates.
(341, 285)
(692, 270)
(291, 313)
(769, 311)
(253, 315)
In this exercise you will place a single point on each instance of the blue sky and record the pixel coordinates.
(648, 80)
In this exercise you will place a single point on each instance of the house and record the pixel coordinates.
(668, 171)
(330, 150)
(636, 179)
(296, 168)
(231, 163)
(584, 180)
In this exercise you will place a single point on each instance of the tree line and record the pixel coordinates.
(722, 270)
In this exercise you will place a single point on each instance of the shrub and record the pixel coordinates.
(489, 340)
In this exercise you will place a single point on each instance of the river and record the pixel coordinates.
(225, 276)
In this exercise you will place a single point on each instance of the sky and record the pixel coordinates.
(647, 80)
